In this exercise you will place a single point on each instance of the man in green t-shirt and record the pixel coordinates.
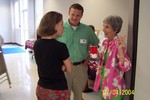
(78, 37)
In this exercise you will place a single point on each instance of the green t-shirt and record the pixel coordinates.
(78, 41)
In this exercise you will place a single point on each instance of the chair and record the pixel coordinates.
(3, 70)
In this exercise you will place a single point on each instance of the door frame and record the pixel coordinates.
(132, 44)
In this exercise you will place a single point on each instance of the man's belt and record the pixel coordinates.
(78, 63)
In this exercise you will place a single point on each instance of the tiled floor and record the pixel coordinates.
(23, 74)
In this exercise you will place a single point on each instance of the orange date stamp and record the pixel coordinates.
(117, 92)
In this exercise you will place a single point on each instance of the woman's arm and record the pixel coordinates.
(67, 65)
(124, 61)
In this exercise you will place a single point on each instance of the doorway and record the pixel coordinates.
(24, 20)
(21, 21)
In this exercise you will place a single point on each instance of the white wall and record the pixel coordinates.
(5, 20)
(95, 10)
(142, 81)
(38, 12)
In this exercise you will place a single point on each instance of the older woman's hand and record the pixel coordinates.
(120, 44)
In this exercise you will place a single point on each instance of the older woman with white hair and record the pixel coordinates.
(113, 61)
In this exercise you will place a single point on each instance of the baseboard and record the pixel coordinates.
(13, 43)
